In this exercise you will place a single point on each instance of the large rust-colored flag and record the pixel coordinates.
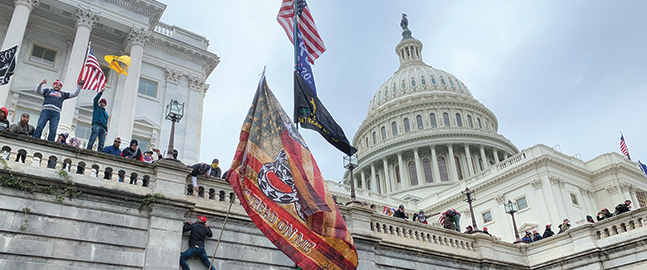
(280, 186)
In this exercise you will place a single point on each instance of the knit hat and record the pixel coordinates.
(58, 82)
(6, 112)
(202, 218)
(134, 142)
(485, 228)
(534, 231)
(528, 233)
(65, 135)
(104, 101)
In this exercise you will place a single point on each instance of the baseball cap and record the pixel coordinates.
(202, 218)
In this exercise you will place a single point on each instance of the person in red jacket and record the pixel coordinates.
(132, 151)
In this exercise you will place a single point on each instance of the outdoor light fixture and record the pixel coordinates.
(174, 112)
(350, 163)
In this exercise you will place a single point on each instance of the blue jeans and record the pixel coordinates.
(52, 117)
(193, 252)
(97, 130)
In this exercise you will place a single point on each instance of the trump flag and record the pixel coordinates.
(279, 184)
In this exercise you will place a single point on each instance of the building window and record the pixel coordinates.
(433, 81)
(487, 217)
(407, 128)
(404, 85)
(522, 203)
(469, 121)
(459, 171)
(144, 144)
(394, 128)
(368, 184)
(383, 133)
(478, 120)
(426, 166)
(451, 82)
(43, 55)
(395, 88)
(419, 122)
(379, 96)
(459, 85)
(432, 117)
(374, 138)
(481, 164)
(458, 120)
(446, 119)
(147, 87)
(423, 81)
(443, 81)
(386, 92)
(442, 169)
(574, 199)
(413, 83)
(413, 173)
(397, 173)
(377, 183)
(83, 131)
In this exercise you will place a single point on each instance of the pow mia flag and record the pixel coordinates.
(7, 64)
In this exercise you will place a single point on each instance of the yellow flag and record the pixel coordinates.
(118, 63)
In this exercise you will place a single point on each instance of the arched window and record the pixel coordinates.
(433, 81)
(426, 166)
(419, 121)
(386, 92)
(404, 85)
(377, 183)
(446, 119)
(383, 133)
(458, 120)
(379, 96)
(432, 117)
(458, 168)
(394, 128)
(407, 127)
(443, 81)
(413, 173)
(478, 120)
(374, 138)
(368, 184)
(395, 88)
(469, 121)
(451, 82)
(423, 81)
(442, 169)
(481, 164)
(397, 173)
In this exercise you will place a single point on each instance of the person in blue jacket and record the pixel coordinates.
(99, 121)
(114, 148)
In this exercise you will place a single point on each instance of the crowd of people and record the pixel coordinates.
(450, 220)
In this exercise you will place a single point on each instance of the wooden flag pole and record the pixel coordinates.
(221, 230)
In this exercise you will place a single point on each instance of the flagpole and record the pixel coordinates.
(222, 230)
(296, 52)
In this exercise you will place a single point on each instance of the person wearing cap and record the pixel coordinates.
(485, 230)
(132, 151)
(199, 231)
(564, 226)
(400, 213)
(23, 127)
(527, 238)
(52, 104)
(114, 148)
(215, 170)
(548, 232)
(536, 236)
(199, 169)
(62, 138)
(4, 123)
(604, 213)
(469, 229)
(623, 207)
(99, 120)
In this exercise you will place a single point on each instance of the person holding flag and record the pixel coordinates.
(52, 105)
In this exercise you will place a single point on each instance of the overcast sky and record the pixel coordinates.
(567, 73)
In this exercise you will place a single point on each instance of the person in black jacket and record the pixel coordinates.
(604, 213)
(400, 213)
(548, 232)
(199, 230)
(215, 170)
(623, 207)
(199, 169)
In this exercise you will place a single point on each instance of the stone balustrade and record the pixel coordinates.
(164, 29)
(342, 192)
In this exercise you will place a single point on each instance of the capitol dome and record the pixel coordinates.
(424, 131)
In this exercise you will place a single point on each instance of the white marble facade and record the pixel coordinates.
(426, 138)
(168, 62)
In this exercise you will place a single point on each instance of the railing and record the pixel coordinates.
(621, 224)
(164, 29)
(342, 192)
(44, 154)
(498, 167)
(211, 188)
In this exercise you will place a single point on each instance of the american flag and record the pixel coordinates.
(92, 76)
(311, 38)
(623, 147)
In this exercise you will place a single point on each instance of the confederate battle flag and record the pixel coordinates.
(280, 186)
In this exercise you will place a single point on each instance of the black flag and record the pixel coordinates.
(311, 114)
(7, 64)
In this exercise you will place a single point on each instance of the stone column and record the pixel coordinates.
(625, 187)
(434, 164)
(387, 179)
(373, 186)
(128, 95)
(14, 36)
(403, 181)
(469, 160)
(419, 172)
(191, 121)
(486, 164)
(586, 198)
(451, 164)
(363, 179)
(544, 208)
(496, 156)
(85, 20)
(557, 185)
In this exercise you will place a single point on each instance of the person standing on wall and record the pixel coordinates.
(99, 121)
(52, 105)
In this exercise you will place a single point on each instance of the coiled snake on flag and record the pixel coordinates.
(276, 182)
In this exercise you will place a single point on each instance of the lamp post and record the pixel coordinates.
(469, 198)
(512, 208)
(350, 163)
(174, 112)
